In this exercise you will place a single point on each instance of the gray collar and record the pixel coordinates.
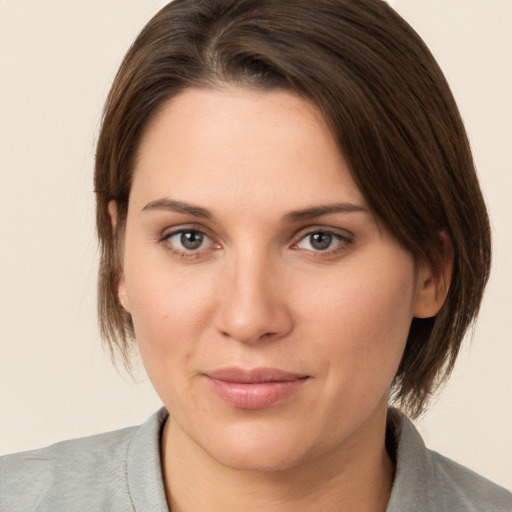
(424, 480)
(413, 466)
(144, 468)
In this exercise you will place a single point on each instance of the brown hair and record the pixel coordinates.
(388, 106)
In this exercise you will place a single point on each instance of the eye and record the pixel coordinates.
(323, 241)
(319, 241)
(187, 241)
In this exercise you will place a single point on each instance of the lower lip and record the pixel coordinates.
(257, 395)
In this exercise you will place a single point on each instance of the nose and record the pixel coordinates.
(252, 302)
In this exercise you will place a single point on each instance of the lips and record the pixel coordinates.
(256, 388)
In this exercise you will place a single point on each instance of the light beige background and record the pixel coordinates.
(57, 59)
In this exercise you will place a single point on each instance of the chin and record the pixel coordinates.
(267, 459)
(259, 450)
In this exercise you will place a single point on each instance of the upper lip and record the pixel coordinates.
(253, 375)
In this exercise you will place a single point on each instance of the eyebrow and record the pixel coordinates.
(179, 207)
(290, 218)
(319, 211)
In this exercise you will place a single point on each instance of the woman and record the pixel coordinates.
(293, 233)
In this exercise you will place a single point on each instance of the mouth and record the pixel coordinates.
(256, 388)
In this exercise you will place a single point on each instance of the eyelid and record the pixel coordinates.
(346, 238)
(169, 232)
(172, 230)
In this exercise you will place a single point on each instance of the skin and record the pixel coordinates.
(259, 291)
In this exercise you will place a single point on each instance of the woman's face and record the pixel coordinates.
(270, 309)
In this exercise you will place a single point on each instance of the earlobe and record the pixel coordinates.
(121, 288)
(433, 284)
(112, 211)
(123, 298)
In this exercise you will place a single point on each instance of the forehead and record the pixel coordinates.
(270, 146)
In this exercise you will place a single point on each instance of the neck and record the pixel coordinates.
(357, 478)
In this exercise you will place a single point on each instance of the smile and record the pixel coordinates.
(258, 388)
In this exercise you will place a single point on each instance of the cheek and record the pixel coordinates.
(169, 309)
(362, 323)
(169, 324)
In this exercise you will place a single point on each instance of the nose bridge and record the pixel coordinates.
(250, 306)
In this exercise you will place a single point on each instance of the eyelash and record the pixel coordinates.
(184, 253)
(343, 239)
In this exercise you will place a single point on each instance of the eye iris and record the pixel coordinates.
(321, 241)
(191, 240)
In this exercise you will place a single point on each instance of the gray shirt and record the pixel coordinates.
(121, 472)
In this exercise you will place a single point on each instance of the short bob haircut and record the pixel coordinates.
(387, 105)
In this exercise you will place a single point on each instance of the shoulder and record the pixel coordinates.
(459, 485)
(91, 473)
(74, 471)
(426, 480)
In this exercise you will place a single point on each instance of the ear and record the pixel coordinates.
(433, 284)
(112, 211)
(121, 287)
